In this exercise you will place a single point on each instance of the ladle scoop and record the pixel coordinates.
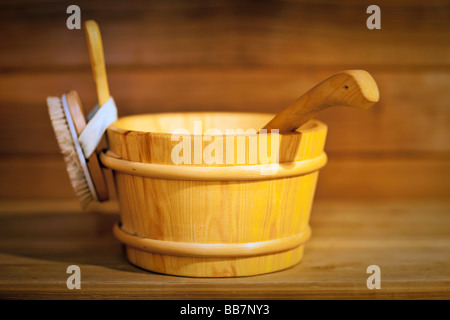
(352, 88)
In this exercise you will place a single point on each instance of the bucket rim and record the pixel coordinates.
(311, 126)
(213, 173)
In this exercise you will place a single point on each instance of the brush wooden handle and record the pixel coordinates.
(353, 88)
(77, 113)
(94, 41)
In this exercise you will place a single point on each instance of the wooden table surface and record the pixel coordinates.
(409, 241)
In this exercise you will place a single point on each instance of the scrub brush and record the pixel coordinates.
(67, 140)
(78, 141)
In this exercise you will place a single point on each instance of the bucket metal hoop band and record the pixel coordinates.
(212, 250)
(211, 173)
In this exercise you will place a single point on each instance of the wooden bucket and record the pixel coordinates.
(226, 218)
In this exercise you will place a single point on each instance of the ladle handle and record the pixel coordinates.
(353, 88)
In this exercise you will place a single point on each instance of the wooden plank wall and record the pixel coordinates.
(237, 56)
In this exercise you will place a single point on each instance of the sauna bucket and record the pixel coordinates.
(212, 220)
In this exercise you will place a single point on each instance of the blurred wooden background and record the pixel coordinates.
(237, 56)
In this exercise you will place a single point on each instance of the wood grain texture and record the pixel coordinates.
(224, 33)
(412, 114)
(408, 240)
(218, 211)
(345, 176)
(166, 56)
(148, 139)
(237, 56)
(97, 58)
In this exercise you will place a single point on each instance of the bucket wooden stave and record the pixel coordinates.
(232, 218)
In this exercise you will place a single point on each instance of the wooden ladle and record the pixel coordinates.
(352, 88)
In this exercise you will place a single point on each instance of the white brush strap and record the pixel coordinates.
(96, 127)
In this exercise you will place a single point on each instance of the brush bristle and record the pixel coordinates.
(68, 150)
